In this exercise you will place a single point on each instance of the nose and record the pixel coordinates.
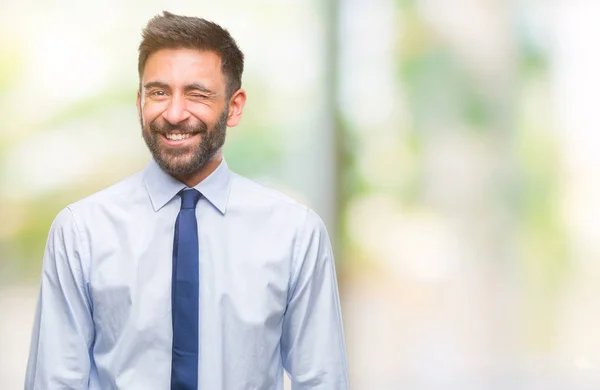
(177, 111)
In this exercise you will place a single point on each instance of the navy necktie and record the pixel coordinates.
(184, 295)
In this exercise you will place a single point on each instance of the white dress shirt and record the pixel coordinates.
(268, 291)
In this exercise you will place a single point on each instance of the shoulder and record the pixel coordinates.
(249, 189)
(113, 194)
(264, 200)
(118, 195)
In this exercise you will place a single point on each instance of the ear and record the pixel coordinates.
(236, 106)
(138, 103)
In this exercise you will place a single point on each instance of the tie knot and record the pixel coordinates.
(189, 198)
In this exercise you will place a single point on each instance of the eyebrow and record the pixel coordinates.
(187, 88)
(156, 84)
(198, 87)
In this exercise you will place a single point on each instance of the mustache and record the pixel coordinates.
(166, 127)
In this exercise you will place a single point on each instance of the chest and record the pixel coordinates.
(244, 271)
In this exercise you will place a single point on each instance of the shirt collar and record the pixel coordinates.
(162, 187)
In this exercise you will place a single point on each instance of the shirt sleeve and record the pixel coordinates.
(63, 331)
(312, 343)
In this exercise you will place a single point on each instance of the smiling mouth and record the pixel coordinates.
(178, 136)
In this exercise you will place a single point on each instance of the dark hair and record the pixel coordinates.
(169, 31)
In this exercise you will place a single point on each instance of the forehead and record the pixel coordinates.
(179, 67)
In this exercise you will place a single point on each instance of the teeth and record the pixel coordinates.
(177, 137)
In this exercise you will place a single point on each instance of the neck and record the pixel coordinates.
(193, 179)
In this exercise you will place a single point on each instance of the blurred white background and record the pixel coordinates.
(450, 147)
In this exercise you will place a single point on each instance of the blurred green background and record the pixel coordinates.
(449, 146)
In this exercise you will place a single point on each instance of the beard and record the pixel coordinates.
(185, 160)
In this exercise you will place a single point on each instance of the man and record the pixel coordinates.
(187, 275)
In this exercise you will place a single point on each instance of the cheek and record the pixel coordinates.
(208, 115)
(149, 112)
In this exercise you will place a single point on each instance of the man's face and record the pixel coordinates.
(183, 108)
